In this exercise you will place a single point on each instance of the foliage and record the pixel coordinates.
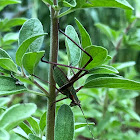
(103, 97)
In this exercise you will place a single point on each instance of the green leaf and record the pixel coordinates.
(79, 125)
(10, 38)
(74, 53)
(31, 59)
(34, 124)
(67, 3)
(23, 48)
(14, 22)
(8, 86)
(133, 124)
(33, 137)
(85, 38)
(48, 2)
(104, 69)
(42, 122)
(4, 135)
(112, 82)
(64, 128)
(8, 64)
(30, 28)
(4, 3)
(16, 114)
(99, 55)
(25, 128)
(133, 114)
(123, 65)
(98, 3)
(6, 61)
(105, 29)
(4, 100)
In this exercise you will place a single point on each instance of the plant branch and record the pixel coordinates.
(53, 58)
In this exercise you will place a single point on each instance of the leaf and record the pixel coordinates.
(74, 52)
(33, 137)
(4, 100)
(31, 59)
(30, 28)
(8, 86)
(4, 3)
(34, 124)
(123, 65)
(133, 114)
(64, 128)
(79, 125)
(98, 3)
(12, 23)
(112, 82)
(10, 38)
(98, 54)
(25, 128)
(16, 114)
(86, 40)
(67, 3)
(48, 2)
(23, 48)
(4, 135)
(104, 69)
(42, 122)
(105, 29)
(6, 62)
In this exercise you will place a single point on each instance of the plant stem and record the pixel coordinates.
(54, 43)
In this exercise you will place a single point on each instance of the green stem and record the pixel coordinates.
(54, 42)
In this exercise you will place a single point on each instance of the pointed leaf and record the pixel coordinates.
(30, 28)
(79, 125)
(16, 114)
(34, 124)
(23, 48)
(74, 53)
(25, 128)
(64, 129)
(99, 55)
(112, 82)
(85, 38)
(8, 86)
(42, 122)
(31, 59)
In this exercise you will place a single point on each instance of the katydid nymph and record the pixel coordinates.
(65, 84)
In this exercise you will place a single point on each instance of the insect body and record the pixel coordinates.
(62, 80)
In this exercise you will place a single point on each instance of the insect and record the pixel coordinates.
(65, 84)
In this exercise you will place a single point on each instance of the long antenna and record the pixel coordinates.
(86, 122)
